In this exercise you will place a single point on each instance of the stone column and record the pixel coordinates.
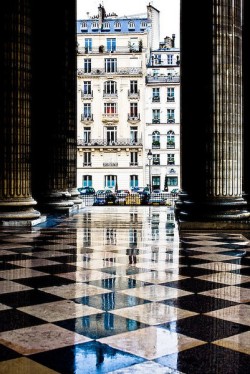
(16, 201)
(54, 104)
(211, 116)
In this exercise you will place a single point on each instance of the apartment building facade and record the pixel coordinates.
(113, 91)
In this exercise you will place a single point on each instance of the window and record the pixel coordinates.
(87, 181)
(156, 59)
(131, 25)
(133, 44)
(110, 65)
(134, 134)
(110, 108)
(87, 134)
(170, 116)
(156, 72)
(84, 26)
(156, 159)
(110, 87)
(134, 87)
(156, 94)
(170, 159)
(87, 110)
(111, 134)
(133, 158)
(87, 159)
(172, 181)
(170, 59)
(133, 110)
(117, 26)
(156, 182)
(111, 44)
(110, 181)
(143, 25)
(95, 25)
(106, 26)
(87, 87)
(134, 181)
(170, 139)
(87, 65)
(156, 139)
(170, 94)
(156, 115)
(88, 45)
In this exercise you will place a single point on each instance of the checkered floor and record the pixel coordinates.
(116, 290)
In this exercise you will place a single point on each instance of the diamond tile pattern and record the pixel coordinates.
(118, 290)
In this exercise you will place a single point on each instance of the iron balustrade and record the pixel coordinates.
(163, 79)
(85, 117)
(133, 117)
(133, 95)
(104, 142)
(86, 95)
(106, 51)
(99, 72)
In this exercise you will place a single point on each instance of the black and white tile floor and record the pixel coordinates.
(116, 290)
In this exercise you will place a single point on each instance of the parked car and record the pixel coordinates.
(121, 196)
(175, 191)
(86, 190)
(159, 198)
(144, 193)
(104, 197)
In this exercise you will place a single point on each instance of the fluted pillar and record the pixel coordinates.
(16, 201)
(211, 116)
(54, 104)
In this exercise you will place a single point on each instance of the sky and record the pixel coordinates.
(169, 12)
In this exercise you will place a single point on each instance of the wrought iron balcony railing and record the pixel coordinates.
(87, 117)
(104, 142)
(100, 72)
(86, 95)
(163, 79)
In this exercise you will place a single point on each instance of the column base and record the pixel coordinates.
(56, 201)
(23, 222)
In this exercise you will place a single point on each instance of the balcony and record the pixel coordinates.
(120, 142)
(162, 79)
(110, 95)
(87, 118)
(156, 120)
(156, 145)
(110, 164)
(116, 50)
(127, 71)
(87, 95)
(134, 118)
(171, 120)
(155, 99)
(133, 94)
(110, 117)
(170, 99)
(170, 145)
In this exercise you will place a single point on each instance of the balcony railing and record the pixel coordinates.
(119, 71)
(113, 117)
(156, 120)
(156, 145)
(133, 95)
(87, 164)
(156, 99)
(113, 95)
(87, 117)
(104, 142)
(170, 120)
(110, 164)
(87, 95)
(105, 50)
(133, 117)
(163, 79)
(133, 164)
(171, 145)
(170, 99)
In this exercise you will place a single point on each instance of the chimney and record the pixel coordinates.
(173, 40)
(101, 15)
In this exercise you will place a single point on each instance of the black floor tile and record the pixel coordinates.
(12, 319)
(26, 298)
(44, 281)
(7, 353)
(194, 285)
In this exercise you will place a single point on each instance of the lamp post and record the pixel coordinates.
(149, 156)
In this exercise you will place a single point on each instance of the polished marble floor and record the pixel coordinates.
(117, 290)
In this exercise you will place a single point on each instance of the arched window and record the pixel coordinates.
(117, 26)
(170, 139)
(110, 88)
(131, 25)
(156, 140)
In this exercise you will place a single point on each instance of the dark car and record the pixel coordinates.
(86, 190)
(104, 197)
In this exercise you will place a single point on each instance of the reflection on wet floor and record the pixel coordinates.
(116, 290)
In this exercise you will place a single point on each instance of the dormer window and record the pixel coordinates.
(84, 26)
(117, 26)
(131, 25)
(94, 25)
(106, 26)
(143, 25)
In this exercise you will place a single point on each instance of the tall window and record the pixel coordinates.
(133, 158)
(134, 181)
(134, 87)
(134, 134)
(170, 59)
(156, 182)
(170, 91)
(170, 115)
(87, 134)
(172, 181)
(110, 65)
(156, 115)
(111, 44)
(170, 139)
(110, 181)
(156, 94)
(111, 134)
(87, 65)
(87, 110)
(156, 139)
(134, 44)
(87, 87)
(87, 181)
(170, 159)
(110, 108)
(156, 159)
(87, 159)
(110, 87)
(88, 44)
(133, 109)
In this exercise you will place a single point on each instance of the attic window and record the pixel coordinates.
(131, 25)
